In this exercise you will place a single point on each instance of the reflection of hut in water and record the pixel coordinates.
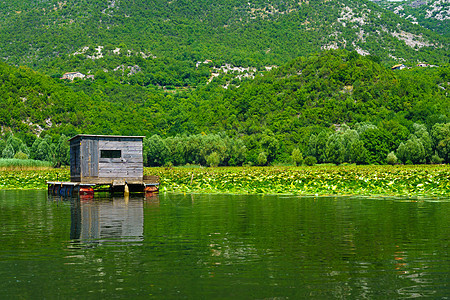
(107, 220)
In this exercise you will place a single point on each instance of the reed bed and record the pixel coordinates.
(23, 164)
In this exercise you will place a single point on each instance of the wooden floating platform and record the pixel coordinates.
(73, 189)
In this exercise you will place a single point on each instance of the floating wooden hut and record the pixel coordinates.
(106, 162)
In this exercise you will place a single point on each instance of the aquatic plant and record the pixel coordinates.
(31, 179)
(320, 180)
(397, 180)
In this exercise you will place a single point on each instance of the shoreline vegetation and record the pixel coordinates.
(14, 164)
(319, 180)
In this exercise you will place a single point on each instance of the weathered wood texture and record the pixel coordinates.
(112, 180)
(75, 159)
(151, 179)
(89, 157)
(87, 164)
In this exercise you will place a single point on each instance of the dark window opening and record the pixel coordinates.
(110, 153)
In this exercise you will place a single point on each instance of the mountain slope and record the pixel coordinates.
(280, 110)
(56, 37)
(34, 103)
(31, 102)
(431, 14)
(321, 90)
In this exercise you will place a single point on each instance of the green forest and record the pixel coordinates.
(167, 38)
(331, 107)
(224, 83)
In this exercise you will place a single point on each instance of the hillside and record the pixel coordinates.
(431, 14)
(33, 104)
(274, 113)
(333, 87)
(167, 42)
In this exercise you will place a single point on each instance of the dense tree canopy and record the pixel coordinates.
(335, 106)
(167, 39)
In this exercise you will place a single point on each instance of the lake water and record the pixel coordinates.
(223, 246)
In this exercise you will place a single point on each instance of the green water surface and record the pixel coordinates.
(174, 246)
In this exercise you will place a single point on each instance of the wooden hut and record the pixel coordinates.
(99, 160)
(103, 159)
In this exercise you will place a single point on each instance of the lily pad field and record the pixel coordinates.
(321, 180)
(415, 180)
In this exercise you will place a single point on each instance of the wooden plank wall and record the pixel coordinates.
(87, 165)
(94, 152)
(84, 145)
(130, 165)
(89, 157)
(75, 159)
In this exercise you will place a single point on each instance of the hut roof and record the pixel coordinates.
(106, 136)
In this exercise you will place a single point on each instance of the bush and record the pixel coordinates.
(213, 160)
(20, 155)
(391, 158)
(310, 161)
(261, 160)
(297, 157)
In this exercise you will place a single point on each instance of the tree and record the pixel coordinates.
(41, 150)
(156, 152)
(421, 132)
(378, 143)
(412, 151)
(17, 144)
(270, 146)
(443, 148)
(440, 134)
(317, 146)
(20, 155)
(310, 160)
(8, 152)
(335, 150)
(2, 146)
(297, 157)
(435, 159)
(34, 147)
(237, 150)
(62, 151)
(349, 138)
(363, 126)
(399, 132)
(209, 144)
(358, 153)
